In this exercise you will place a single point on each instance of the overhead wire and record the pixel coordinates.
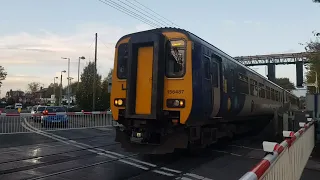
(163, 24)
(153, 21)
(155, 13)
(128, 12)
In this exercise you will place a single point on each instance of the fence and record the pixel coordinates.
(286, 161)
(17, 122)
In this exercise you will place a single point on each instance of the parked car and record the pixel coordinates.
(58, 116)
(38, 109)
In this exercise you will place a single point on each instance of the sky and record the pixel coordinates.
(35, 34)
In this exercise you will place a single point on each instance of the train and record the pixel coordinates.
(171, 89)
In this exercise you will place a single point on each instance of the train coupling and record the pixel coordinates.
(143, 137)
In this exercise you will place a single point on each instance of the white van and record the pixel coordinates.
(18, 105)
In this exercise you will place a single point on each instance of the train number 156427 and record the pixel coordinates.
(175, 91)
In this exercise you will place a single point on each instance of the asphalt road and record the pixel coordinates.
(93, 154)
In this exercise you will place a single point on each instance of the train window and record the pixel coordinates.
(175, 65)
(253, 87)
(272, 94)
(206, 66)
(215, 74)
(268, 92)
(243, 84)
(262, 93)
(122, 61)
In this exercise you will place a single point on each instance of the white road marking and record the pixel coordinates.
(163, 173)
(106, 153)
(246, 147)
(194, 176)
(172, 170)
(185, 178)
(226, 152)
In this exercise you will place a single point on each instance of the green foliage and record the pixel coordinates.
(313, 48)
(316, 1)
(52, 89)
(3, 74)
(105, 96)
(285, 83)
(84, 95)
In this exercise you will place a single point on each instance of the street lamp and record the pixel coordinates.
(54, 87)
(69, 82)
(82, 57)
(68, 75)
(60, 99)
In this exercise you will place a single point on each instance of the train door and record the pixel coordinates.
(216, 83)
(145, 81)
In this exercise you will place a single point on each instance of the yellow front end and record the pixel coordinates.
(177, 87)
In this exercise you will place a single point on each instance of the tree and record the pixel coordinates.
(11, 101)
(3, 74)
(85, 94)
(52, 89)
(111, 71)
(34, 87)
(313, 48)
(285, 83)
(105, 95)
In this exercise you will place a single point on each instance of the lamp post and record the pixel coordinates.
(82, 57)
(60, 99)
(54, 88)
(68, 89)
(69, 82)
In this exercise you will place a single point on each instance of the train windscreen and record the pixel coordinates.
(176, 59)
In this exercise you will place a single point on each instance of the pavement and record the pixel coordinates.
(92, 154)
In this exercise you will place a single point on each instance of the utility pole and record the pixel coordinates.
(94, 74)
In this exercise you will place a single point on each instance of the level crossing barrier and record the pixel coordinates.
(287, 160)
(16, 122)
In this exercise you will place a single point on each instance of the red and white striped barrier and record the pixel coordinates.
(287, 159)
(53, 114)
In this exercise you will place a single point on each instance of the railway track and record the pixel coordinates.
(96, 152)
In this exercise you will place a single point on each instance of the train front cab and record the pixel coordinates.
(151, 93)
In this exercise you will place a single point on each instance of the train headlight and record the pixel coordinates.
(175, 103)
(119, 102)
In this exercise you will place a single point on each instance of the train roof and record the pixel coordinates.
(197, 38)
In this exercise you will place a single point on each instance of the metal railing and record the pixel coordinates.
(287, 160)
(17, 122)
